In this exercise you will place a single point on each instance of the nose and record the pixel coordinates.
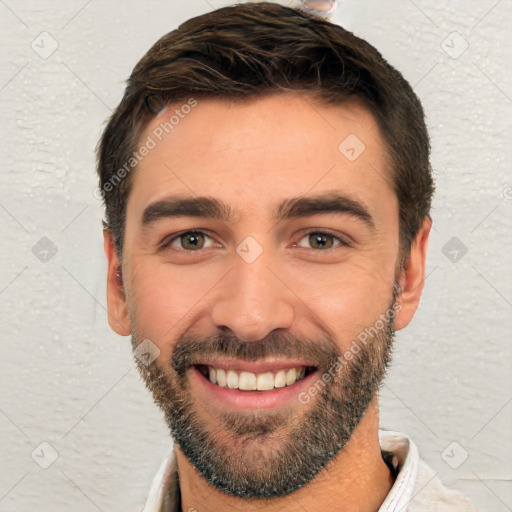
(252, 301)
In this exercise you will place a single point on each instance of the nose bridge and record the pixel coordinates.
(253, 302)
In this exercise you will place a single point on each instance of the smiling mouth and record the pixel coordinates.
(249, 381)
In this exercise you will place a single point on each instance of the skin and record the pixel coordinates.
(252, 155)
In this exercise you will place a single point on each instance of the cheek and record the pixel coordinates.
(160, 298)
(166, 299)
(346, 299)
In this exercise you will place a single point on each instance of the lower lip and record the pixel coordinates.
(252, 399)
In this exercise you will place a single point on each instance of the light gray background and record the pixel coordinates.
(67, 380)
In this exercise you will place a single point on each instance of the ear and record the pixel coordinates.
(116, 302)
(412, 278)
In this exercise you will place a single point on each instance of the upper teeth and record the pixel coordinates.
(248, 381)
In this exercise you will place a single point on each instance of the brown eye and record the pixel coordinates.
(320, 241)
(192, 241)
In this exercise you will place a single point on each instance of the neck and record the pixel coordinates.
(356, 479)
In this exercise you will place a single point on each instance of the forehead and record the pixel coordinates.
(253, 153)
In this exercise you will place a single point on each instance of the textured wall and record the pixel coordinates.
(68, 381)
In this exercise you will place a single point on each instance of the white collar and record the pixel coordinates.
(401, 453)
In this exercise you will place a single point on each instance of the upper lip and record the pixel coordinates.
(269, 365)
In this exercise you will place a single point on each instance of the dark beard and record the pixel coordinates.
(254, 455)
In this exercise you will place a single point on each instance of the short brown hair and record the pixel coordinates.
(260, 48)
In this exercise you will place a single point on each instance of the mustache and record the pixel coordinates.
(190, 351)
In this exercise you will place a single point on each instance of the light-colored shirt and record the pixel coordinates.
(416, 487)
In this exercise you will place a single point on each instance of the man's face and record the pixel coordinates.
(255, 245)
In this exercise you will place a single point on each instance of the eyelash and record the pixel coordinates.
(342, 241)
(169, 240)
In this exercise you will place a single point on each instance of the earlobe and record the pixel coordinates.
(118, 318)
(411, 278)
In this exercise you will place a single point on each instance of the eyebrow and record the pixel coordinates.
(207, 207)
(324, 203)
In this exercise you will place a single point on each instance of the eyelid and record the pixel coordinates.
(169, 239)
(344, 241)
